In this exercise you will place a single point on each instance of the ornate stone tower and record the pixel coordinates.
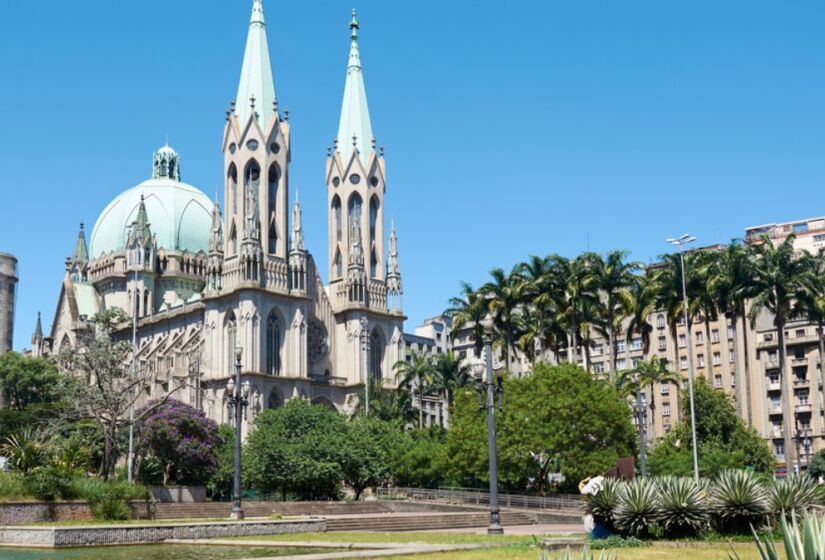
(256, 150)
(355, 185)
(141, 249)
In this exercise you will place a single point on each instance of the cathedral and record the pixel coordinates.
(204, 283)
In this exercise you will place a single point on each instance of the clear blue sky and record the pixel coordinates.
(510, 128)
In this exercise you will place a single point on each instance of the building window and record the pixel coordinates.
(800, 333)
(620, 346)
(699, 337)
(598, 367)
(768, 337)
(636, 344)
(802, 397)
(683, 362)
(717, 381)
(772, 356)
(700, 360)
(666, 409)
(462, 355)
(730, 333)
(636, 362)
(776, 403)
(779, 448)
(717, 359)
(714, 335)
(682, 341)
(598, 349)
(662, 343)
(273, 344)
(620, 364)
(731, 356)
(377, 355)
(665, 389)
(660, 321)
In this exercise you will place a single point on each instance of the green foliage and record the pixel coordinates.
(296, 450)
(49, 483)
(26, 450)
(559, 415)
(638, 510)
(417, 458)
(107, 499)
(807, 543)
(684, 506)
(365, 451)
(602, 506)
(817, 467)
(792, 495)
(29, 382)
(725, 443)
(11, 486)
(616, 541)
(221, 481)
(739, 501)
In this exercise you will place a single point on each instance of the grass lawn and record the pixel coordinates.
(513, 547)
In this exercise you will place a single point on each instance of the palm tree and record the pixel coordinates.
(538, 302)
(811, 303)
(668, 279)
(417, 375)
(452, 373)
(647, 374)
(574, 285)
(613, 278)
(730, 283)
(467, 310)
(640, 306)
(504, 296)
(778, 279)
(703, 304)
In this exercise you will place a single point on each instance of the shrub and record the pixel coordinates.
(108, 499)
(683, 505)
(638, 509)
(794, 494)
(49, 483)
(11, 486)
(111, 509)
(615, 541)
(602, 506)
(739, 501)
(26, 450)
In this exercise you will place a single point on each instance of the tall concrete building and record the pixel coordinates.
(8, 293)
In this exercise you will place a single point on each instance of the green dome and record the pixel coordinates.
(180, 217)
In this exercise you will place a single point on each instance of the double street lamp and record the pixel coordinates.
(237, 401)
(488, 388)
(681, 242)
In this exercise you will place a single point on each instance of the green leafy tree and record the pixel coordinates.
(220, 485)
(29, 381)
(817, 467)
(725, 442)
(364, 453)
(451, 374)
(559, 417)
(417, 458)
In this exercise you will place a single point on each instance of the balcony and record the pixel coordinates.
(799, 361)
(800, 381)
(802, 408)
(774, 386)
(775, 410)
(777, 433)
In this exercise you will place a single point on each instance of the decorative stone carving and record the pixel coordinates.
(317, 341)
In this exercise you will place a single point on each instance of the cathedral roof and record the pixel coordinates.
(256, 73)
(355, 115)
(180, 216)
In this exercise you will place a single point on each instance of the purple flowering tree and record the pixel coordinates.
(180, 440)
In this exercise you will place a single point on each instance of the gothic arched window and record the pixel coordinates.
(336, 217)
(146, 309)
(274, 338)
(233, 240)
(354, 209)
(377, 354)
(252, 180)
(373, 227)
(337, 264)
(275, 399)
(231, 329)
(274, 178)
(232, 177)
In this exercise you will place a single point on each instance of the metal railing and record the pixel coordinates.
(481, 497)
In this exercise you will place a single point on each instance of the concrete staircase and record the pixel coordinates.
(209, 510)
(422, 521)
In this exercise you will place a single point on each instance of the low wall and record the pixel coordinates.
(178, 494)
(23, 513)
(92, 535)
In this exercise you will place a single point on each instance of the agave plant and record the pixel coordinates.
(602, 506)
(684, 505)
(739, 501)
(794, 494)
(805, 544)
(584, 555)
(25, 449)
(638, 509)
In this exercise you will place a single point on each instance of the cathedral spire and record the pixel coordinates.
(354, 128)
(297, 227)
(256, 90)
(38, 329)
(81, 252)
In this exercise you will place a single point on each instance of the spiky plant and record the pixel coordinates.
(602, 506)
(794, 494)
(584, 555)
(684, 506)
(805, 544)
(638, 509)
(739, 501)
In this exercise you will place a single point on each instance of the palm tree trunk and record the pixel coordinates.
(821, 364)
(709, 347)
(746, 367)
(611, 340)
(572, 355)
(739, 385)
(586, 347)
(787, 413)
(420, 404)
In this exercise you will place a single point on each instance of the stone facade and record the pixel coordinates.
(8, 290)
(24, 513)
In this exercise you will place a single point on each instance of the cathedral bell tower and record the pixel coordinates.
(256, 150)
(355, 194)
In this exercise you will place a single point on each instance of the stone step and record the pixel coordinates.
(424, 522)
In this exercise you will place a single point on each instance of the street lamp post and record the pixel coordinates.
(237, 401)
(487, 390)
(681, 242)
(640, 407)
